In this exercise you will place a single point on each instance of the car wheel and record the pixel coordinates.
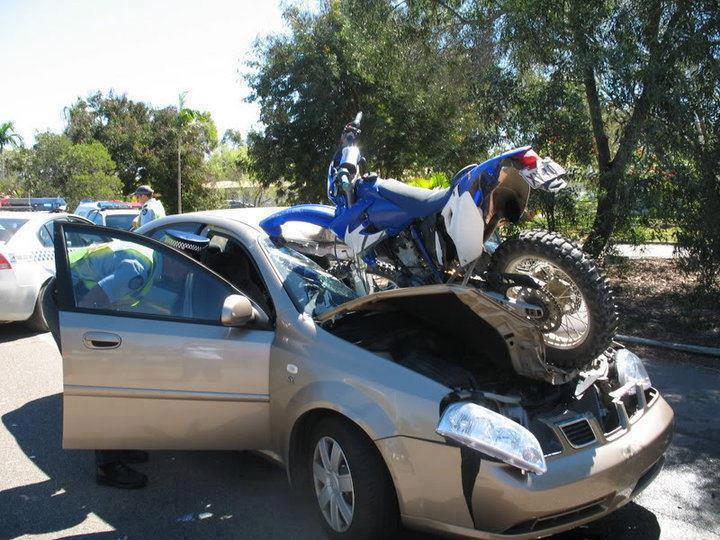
(37, 319)
(348, 480)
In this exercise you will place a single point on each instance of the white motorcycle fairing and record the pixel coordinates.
(465, 224)
(359, 242)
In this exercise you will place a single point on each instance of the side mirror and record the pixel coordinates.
(237, 310)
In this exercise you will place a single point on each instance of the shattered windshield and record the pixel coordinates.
(312, 289)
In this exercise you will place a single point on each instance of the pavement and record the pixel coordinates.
(47, 492)
(647, 251)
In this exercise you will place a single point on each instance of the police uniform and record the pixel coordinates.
(153, 209)
(122, 270)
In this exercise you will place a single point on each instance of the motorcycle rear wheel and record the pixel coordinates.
(588, 317)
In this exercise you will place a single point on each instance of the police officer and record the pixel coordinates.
(152, 208)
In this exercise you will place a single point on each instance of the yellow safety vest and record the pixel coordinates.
(86, 264)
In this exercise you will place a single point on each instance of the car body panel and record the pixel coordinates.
(215, 376)
(187, 387)
(602, 477)
(33, 264)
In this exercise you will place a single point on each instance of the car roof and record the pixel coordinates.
(30, 216)
(248, 216)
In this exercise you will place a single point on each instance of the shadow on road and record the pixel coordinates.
(190, 494)
(14, 331)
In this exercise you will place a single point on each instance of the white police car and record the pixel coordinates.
(115, 214)
(27, 262)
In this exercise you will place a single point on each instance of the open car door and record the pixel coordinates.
(147, 362)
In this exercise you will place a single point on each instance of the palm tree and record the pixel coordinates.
(8, 136)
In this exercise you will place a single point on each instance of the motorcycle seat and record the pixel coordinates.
(416, 201)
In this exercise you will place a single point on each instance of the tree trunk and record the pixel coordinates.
(605, 215)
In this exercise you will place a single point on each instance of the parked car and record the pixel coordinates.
(430, 406)
(115, 214)
(27, 262)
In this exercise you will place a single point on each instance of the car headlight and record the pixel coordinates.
(493, 434)
(630, 369)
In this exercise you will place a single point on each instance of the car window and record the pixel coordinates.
(96, 217)
(114, 274)
(120, 221)
(228, 258)
(9, 226)
(45, 235)
(312, 289)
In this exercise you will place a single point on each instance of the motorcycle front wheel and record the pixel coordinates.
(580, 316)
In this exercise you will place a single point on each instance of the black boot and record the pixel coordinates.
(121, 476)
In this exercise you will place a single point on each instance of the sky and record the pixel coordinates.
(54, 51)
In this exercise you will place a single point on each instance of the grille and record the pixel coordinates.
(579, 433)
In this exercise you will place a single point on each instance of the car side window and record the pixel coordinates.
(96, 217)
(228, 258)
(133, 278)
(45, 235)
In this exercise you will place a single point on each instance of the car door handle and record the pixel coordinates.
(101, 340)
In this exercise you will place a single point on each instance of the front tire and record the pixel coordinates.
(539, 254)
(352, 489)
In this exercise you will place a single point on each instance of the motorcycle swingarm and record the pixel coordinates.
(501, 282)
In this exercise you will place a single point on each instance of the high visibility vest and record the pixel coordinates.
(90, 264)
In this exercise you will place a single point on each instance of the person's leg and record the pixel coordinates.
(112, 471)
(106, 457)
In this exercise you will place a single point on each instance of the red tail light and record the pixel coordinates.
(529, 159)
(4, 263)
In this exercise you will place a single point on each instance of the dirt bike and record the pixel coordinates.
(396, 235)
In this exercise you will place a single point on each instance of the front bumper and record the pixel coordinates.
(438, 491)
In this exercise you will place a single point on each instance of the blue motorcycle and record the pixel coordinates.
(399, 235)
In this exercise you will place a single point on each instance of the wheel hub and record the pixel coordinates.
(551, 318)
(333, 484)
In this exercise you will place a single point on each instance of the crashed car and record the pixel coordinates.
(432, 407)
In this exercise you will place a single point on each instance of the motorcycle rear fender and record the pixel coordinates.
(317, 214)
(470, 181)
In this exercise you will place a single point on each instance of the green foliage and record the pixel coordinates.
(435, 181)
(143, 141)
(356, 55)
(76, 171)
(8, 136)
(606, 88)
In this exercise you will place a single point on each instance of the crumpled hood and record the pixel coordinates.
(465, 309)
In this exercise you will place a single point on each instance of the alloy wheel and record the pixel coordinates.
(333, 484)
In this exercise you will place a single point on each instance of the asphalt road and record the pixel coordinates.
(47, 492)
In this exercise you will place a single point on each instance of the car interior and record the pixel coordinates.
(227, 258)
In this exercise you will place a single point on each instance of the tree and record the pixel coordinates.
(75, 171)
(8, 136)
(233, 137)
(230, 170)
(351, 56)
(143, 141)
(624, 55)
